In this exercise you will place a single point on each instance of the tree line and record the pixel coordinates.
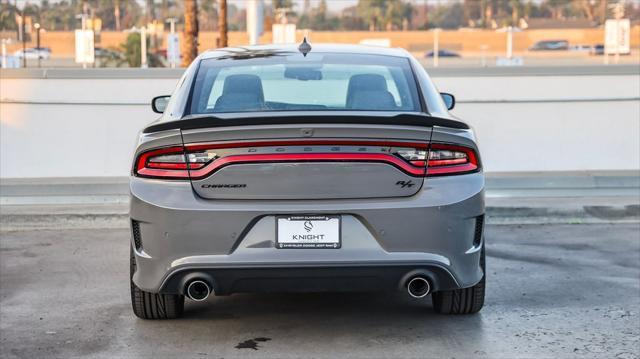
(372, 15)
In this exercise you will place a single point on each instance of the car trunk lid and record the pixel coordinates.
(304, 160)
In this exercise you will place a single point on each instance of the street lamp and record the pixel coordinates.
(143, 47)
(24, 39)
(37, 26)
(436, 46)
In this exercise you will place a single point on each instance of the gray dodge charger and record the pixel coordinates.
(304, 169)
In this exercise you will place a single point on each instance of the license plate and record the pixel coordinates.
(308, 232)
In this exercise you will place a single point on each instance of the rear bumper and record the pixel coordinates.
(232, 241)
(325, 278)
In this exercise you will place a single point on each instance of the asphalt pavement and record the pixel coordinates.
(553, 291)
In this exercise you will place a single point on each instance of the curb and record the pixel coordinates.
(584, 214)
(496, 215)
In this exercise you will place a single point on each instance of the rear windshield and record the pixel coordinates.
(317, 82)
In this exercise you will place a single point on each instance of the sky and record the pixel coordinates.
(338, 5)
(334, 5)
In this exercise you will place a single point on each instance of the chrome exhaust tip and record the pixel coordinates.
(198, 290)
(418, 287)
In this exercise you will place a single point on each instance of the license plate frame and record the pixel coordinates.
(300, 220)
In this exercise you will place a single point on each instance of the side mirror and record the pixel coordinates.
(449, 100)
(159, 104)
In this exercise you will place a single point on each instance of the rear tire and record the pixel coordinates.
(148, 305)
(462, 301)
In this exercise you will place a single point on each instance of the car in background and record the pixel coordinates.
(106, 52)
(597, 49)
(323, 168)
(550, 45)
(109, 57)
(580, 48)
(33, 53)
(442, 53)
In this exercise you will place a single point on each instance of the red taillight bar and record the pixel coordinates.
(171, 170)
(308, 157)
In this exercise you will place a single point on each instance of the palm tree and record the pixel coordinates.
(190, 47)
(150, 11)
(222, 23)
(116, 14)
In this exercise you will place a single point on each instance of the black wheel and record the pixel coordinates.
(462, 301)
(151, 305)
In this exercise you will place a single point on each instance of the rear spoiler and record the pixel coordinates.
(191, 122)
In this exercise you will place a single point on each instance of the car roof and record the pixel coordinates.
(247, 51)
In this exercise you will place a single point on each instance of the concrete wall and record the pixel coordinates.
(552, 123)
(73, 123)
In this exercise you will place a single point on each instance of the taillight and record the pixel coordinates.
(419, 159)
(451, 159)
(442, 159)
(171, 163)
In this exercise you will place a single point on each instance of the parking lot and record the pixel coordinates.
(554, 291)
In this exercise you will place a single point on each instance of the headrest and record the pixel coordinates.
(243, 84)
(367, 82)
